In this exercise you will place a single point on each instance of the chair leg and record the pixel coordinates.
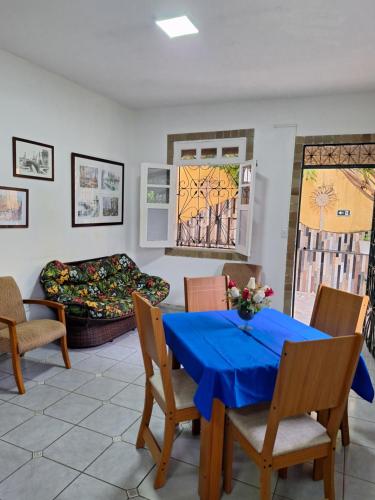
(196, 427)
(344, 427)
(228, 458)
(65, 352)
(283, 473)
(16, 362)
(328, 476)
(146, 416)
(265, 483)
(162, 466)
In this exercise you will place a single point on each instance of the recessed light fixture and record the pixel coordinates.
(177, 26)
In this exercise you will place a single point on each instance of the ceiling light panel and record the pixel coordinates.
(177, 26)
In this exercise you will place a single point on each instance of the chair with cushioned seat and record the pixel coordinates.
(313, 375)
(173, 390)
(17, 335)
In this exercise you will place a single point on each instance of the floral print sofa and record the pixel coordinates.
(97, 296)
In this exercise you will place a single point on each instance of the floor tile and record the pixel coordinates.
(75, 358)
(78, 448)
(11, 458)
(70, 379)
(243, 491)
(101, 388)
(122, 465)
(135, 359)
(124, 371)
(359, 462)
(182, 483)
(34, 369)
(156, 426)
(89, 488)
(362, 432)
(359, 408)
(39, 397)
(186, 447)
(37, 433)
(116, 352)
(110, 419)
(39, 479)
(130, 339)
(11, 416)
(8, 387)
(95, 364)
(42, 353)
(356, 489)
(73, 408)
(133, 396)
(300, 486)
(141, 380)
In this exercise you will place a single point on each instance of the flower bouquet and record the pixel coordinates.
(251, 299)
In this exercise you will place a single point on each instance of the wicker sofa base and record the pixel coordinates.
(87, 332)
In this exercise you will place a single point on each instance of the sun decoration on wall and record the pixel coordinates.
(323, 198)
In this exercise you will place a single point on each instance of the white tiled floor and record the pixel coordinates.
(72, 436)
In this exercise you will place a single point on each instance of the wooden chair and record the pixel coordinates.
(206, 294)
(241, 273)
(173, 390)
(339, 313)
(283, 434)
(17, 335)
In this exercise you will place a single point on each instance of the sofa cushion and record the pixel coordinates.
(100, 288)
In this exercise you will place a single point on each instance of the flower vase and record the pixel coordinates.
(246, 316)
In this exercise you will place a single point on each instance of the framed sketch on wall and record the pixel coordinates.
(97, 191)
(33, 159)
(14, 207)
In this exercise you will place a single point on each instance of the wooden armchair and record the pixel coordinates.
(206, 294)
(17, 335)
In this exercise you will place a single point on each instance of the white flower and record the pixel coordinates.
(251, 285)
(234, 292)
(259, 296)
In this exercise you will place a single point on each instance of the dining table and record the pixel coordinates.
(234, 364)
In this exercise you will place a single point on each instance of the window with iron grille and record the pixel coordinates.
(204, 200)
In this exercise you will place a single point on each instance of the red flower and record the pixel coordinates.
(231, 284)
(268, 292)
(245, 293)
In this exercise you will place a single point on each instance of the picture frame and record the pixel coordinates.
(14, 207)
(33, 160)
(97, 191)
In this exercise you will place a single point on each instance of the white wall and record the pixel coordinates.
(273, 148)
(40, 106)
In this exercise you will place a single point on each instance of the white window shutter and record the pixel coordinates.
(245, 208)
(158, 205)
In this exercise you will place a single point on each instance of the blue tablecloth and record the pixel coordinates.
(236, 367)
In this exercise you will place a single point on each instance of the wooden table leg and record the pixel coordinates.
(211, 453)
(323, 417)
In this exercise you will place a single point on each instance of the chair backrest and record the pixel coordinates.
(206, 294)
(337, 312)
(152, 340)
(241, 273)
(313, 375)
(11, 304)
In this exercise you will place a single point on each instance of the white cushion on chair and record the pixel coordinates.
(294, 433)
(184, 388)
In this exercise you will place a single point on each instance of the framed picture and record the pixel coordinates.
(97, 191)
(14, 207)
(34, 160)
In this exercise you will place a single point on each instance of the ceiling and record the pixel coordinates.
(245, 48)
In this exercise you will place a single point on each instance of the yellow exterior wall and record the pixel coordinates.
(345, 196)
(205, 176)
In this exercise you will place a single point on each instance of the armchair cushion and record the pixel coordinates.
(32, 334)
(100, 288)
(10, 301)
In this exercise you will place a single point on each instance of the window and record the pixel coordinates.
(204, 200)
